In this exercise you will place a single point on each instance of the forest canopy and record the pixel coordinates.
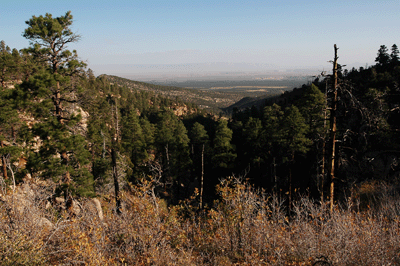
(100, 173)
(59, 122)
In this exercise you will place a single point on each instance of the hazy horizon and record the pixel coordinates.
(206, 71)
(182, 37)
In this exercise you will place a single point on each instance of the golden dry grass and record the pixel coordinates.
(245, 227)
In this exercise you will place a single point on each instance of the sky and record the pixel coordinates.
(155, 36)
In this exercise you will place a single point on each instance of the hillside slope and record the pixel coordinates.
(210, 100)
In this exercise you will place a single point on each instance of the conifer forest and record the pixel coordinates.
(94, 172)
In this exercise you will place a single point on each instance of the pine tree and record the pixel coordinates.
(311, 106)
(133, 142)
(98, 130)
(172, 145)
(9, 125)
(254, 138)
(383, 57)
(7, 64)
(148, 130)
(224, 152)
(50, 93)
(394, 56)
(292, 139)
(272, 116)
(292, 134)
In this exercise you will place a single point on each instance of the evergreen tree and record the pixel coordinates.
(311, 106)
(98, 129)
(254, 138)
(272, 117)
(292, 139)
(9, 125)
(292, 134)
(133, 142)
(172, 144)
(198, 134)
(394, 55)
(383, 57)
(63, 152)
(148, 130)
(6, 64)
(223, 151)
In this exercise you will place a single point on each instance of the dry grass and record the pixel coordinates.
(245, 227)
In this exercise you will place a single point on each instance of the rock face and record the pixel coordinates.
(44, 222)
(97, 204)
(26, 203)
(32, 202)
(92, 208)
(181, 110)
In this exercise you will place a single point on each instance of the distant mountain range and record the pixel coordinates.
(160, 72)
(195, 71)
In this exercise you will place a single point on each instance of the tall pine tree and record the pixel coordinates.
(52, 93)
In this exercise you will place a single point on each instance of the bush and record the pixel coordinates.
(244, 227)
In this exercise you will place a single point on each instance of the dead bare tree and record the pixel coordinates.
(332, 131)
(114, 145)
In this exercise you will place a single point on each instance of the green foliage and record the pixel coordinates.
(6, 64)
(53, 34)
(292, 134)
(172, 143)
(312, 105)
(272, 116)
(66, 122)
(394, 56)
(224, 151)
(383, 57)
(133, 143)
(47, 96)
(198, 134)
(254, 140)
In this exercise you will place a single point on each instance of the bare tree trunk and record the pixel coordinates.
(103, 153)
(58, 113)
(167, 170)
(57, 103)
(322, 180)
(4, 163)
(202, 177)
(275, 178)
(331, 159)
(114, 163)
(116, 182)
(290, 202)
(324, 147)
(12, 175)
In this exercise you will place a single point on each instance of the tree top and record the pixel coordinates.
(51, 32)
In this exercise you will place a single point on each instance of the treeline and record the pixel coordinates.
(294, 155)
(60, 122)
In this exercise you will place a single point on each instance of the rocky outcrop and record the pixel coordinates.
(34, 200)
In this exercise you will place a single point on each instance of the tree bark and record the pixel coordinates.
(114, 143)
(202, 177)
(322, 185)
(331, 159)
(4, 163)
(116, 182)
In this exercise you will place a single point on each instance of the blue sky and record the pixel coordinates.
(281, 34)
